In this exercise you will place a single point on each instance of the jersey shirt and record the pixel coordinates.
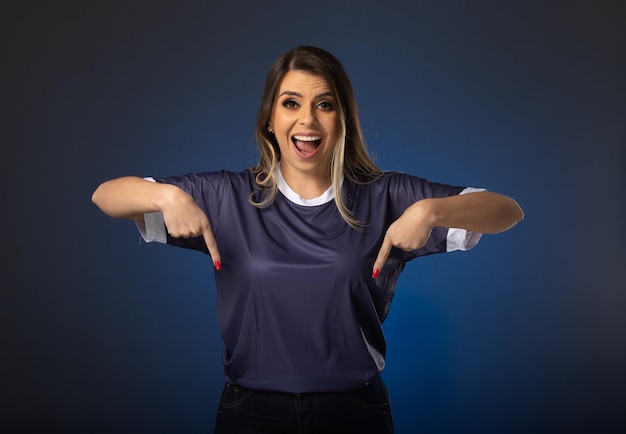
(298, 308)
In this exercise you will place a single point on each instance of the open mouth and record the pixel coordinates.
(306, 144)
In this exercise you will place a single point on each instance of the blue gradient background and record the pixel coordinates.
(526, 333)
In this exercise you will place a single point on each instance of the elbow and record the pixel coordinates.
(512, 215)
(519, 213)
(505, 214)
(103, 198)
(96, 196)
(516, 211)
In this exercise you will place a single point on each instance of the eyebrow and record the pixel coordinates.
(292, 93)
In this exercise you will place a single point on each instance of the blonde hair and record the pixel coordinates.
(350, 158)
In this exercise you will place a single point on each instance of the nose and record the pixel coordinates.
(307, 115)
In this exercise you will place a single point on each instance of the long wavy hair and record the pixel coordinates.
(350, 158)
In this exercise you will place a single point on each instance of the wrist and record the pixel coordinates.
(169, 196)
(429, 211)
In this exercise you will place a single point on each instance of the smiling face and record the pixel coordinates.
(305, 125)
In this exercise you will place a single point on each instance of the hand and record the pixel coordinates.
(409, 232)
(184, 219)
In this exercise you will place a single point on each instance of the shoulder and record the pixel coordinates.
(242, 178)
(386, 180)
(211, 178)
(218, 185)
(402, 185)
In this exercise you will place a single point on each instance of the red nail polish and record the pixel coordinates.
(218, 265)
(375, 273)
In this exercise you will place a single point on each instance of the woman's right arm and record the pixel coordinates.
(131, 197)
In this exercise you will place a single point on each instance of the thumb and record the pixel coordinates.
(209, 240)
(383, 254)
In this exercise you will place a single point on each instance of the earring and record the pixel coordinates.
(270, 130)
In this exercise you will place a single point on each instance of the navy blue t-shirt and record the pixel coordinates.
(298, 309)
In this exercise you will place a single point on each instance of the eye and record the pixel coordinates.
(326, 105)
(290, 104)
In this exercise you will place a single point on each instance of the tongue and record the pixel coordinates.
(306, 146)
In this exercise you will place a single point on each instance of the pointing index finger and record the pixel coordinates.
(209, 240)
(383, 254)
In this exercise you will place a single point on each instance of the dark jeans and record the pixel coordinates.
(361, 411)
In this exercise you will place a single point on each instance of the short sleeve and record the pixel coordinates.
(407, 189)
(462, 239)
(152, 228)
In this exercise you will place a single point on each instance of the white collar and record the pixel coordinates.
(294, 197)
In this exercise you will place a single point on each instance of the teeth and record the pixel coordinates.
(307, 138)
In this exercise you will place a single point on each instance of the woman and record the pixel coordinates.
(307, 246)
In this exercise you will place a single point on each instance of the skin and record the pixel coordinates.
(305, 107)
(131, 197)
(483, 212)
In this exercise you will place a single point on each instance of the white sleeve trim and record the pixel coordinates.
(152, 228)
(462, 239)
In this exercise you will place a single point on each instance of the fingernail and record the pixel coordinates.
(375, 273)
(218, 265)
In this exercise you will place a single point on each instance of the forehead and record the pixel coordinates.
(303, 82)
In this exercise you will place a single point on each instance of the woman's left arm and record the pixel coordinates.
(483, 212)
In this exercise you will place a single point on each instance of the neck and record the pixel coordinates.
(306, 185)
